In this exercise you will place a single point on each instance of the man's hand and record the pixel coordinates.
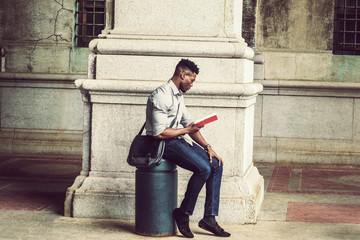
(193, 128)
(212, 154)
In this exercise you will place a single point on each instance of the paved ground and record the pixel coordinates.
(301, 202)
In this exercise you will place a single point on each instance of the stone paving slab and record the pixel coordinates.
(45, 225)
(323, 212)
(301, 202)
(315, 179)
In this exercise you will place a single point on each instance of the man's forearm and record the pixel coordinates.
(171, 133)
(197, 137)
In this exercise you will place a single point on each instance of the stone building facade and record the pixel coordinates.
(41, 110)
(308, 112)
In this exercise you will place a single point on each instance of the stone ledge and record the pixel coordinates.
(41, 76)
(226, 95)
(310, 88)
(39, 80)
(288, 150)
(145, 87)
(41, 142)
(152, 47)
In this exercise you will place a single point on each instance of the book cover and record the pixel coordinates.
(205, 120)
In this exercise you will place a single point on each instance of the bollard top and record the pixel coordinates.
(164, 166)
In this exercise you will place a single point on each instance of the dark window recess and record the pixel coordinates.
(347, 27)
(89, 21)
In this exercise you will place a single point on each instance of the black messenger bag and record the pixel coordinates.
(145, 151)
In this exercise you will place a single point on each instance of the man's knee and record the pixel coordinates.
(205, 171)
(215, 164)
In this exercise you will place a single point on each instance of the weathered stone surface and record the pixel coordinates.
(265, 149)
(41, 108)
(147, 68)
(24, 20)
(38, 37)
(316, 66)
(18, 58)
(285, 150)
(218, 18)
(249, 21)
(78, 60)
(356, 125)
(303, 25)
(320, 123)
(40, 142)
(40, 113)
(50, 59)
(258, 116)
(307, 117)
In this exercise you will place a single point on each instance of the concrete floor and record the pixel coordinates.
(301, 202)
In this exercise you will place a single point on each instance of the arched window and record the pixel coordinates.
(347, 27)
(89, 20)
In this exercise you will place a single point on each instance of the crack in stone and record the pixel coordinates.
(61, 4)
(58, 37)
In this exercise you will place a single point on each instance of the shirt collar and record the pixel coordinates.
(174, 88)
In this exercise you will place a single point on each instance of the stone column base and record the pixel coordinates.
(108, 198)
(241, 198)
(109, 190)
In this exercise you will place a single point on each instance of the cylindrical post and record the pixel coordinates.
(155, 199)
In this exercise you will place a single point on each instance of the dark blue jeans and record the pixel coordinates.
(195, 159)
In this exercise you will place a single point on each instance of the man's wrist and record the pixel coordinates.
(206, 147)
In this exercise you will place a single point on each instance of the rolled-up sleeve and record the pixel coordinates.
(186, 118)
(159, 113)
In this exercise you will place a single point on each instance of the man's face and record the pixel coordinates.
(188, 79)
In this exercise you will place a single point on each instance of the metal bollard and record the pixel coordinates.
(155, 199)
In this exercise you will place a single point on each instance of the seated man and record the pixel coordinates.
(165, 111)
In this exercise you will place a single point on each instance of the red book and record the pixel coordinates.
(206, 120)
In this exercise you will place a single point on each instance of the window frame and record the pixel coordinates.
(346, 27)
(89, 21)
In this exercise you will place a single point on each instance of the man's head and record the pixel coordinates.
(185, 74)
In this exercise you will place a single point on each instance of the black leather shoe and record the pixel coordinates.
(182, 223)
(216, 229)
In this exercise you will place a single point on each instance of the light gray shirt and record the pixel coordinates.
(161, 109)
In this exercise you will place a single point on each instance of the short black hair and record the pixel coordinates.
(186, 63)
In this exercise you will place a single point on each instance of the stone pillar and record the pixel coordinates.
(136, 53)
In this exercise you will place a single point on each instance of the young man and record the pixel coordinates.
(165, 111)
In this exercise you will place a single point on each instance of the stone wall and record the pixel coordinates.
(304, 83)
(41, 111)
(309, 109)
(295, 38)
(249, 21)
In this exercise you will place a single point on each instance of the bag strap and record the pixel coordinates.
(142, 129)
(171, 125)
